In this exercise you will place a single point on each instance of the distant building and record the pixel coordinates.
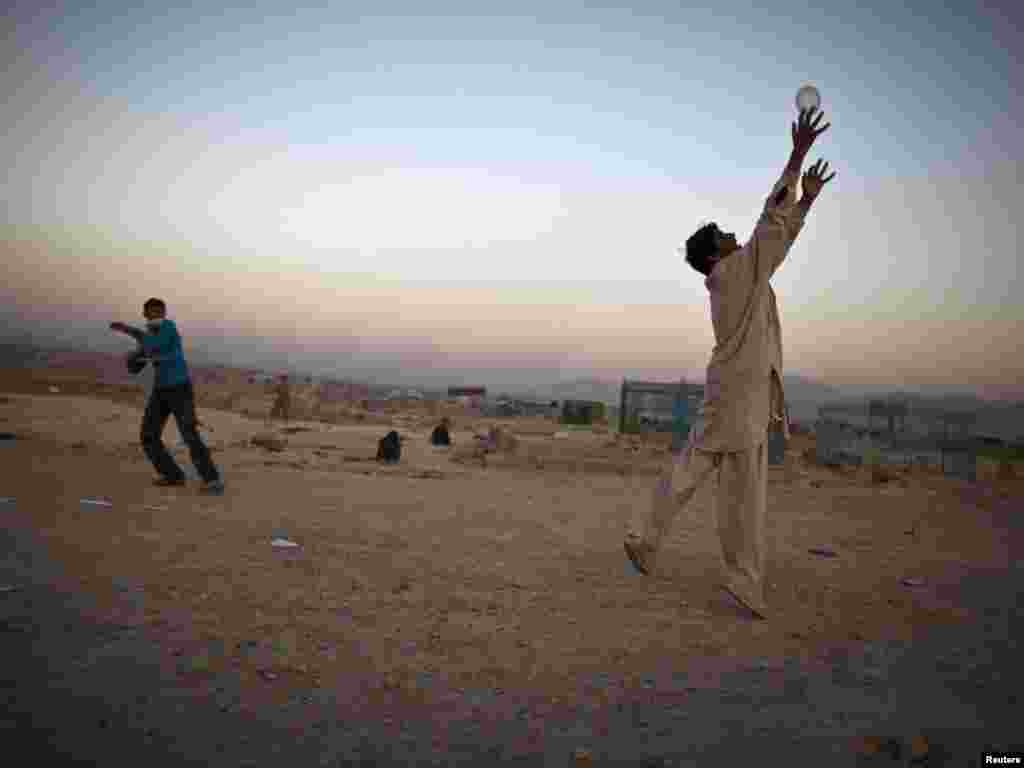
(514, 407)
(343, 391)
(468, 397)
(654, 406)
(895, 431)
(467, 391)
(582, 411)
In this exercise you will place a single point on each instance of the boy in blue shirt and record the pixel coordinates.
(172, 394)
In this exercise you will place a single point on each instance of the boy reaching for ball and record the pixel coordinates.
(743, 394)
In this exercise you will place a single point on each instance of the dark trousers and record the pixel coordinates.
(179, 401)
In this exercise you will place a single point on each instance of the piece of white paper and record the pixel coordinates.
(98, 502)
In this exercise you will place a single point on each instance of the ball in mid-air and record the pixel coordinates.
(808, 97)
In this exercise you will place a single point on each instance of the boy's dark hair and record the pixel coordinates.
(701, 247)
(156, 304)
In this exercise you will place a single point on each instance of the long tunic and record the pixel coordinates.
(744, 378)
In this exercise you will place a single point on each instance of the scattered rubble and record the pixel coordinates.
(823, 552)
(269, 441)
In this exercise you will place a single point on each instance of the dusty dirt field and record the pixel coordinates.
(507, 575)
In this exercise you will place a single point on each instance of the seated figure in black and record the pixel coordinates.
(389, 448)
(440, 435)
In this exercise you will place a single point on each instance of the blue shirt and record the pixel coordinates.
(164, 347)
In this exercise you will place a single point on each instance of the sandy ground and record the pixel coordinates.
(502, 575)
(499, 581)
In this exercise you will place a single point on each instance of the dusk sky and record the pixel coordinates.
(496, 192)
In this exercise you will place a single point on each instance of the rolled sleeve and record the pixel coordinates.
(789, 180)
(779, 224)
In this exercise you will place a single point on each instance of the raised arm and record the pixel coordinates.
(783, 217)
(135, 333)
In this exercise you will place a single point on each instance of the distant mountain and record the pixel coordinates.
(800, 389)
(16, 354)
(606, 392)
(803, 395)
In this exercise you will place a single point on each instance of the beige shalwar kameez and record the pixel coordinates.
(742, 396)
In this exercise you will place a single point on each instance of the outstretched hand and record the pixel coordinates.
(805, 131)
(814, 178)
(119, 326)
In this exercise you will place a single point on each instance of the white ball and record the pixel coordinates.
(808, 97)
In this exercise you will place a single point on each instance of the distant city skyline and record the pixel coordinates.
(372, 187)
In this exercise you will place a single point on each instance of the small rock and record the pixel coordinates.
(893, 748)
(912, 581)
(267, 675)
(269, 442)
(867, 745)
(918, 747)
(873, 674)
(582, 757)
(822, 552)
(97, 502)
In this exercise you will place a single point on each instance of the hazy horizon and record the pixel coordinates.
(382, 190)
(498, 381)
